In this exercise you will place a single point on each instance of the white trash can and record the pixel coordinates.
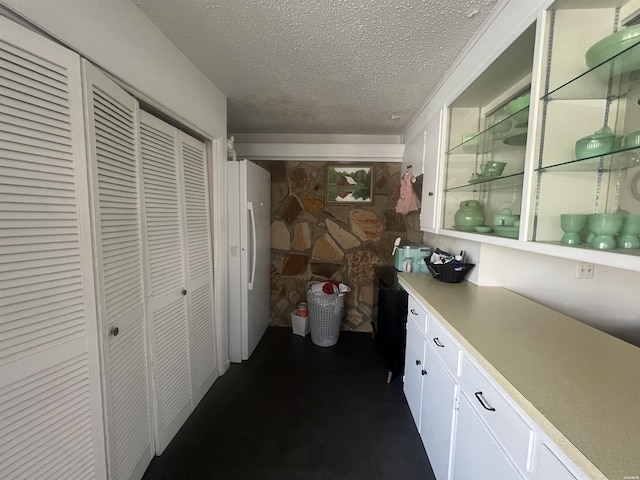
(325, 316)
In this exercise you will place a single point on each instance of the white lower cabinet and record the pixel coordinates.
(470, 427)
(436, 421)
(431, 392)
(497, 412)
(476, 452)
(413, 367)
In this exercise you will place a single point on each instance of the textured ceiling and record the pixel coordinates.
(320, 66)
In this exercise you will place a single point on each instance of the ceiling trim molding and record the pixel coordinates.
(314, 152)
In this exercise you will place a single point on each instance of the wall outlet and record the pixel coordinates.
(584, 270)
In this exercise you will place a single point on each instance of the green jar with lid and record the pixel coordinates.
(469, 215)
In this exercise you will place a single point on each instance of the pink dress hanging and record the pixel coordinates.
(408, 201)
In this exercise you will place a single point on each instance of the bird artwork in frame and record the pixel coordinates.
(349, 184)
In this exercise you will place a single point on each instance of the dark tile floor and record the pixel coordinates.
(298, 411)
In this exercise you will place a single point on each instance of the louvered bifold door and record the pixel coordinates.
(50, 398)
(168, 294)
(199, 265)
(112, 115)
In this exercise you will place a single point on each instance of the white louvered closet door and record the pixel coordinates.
(167, 293)
(199, 265)
(117, 230)
(50, 400)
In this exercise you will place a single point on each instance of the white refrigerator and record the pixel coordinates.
(249, 211)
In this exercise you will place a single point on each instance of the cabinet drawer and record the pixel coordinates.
(445, 347)
(417, 314)
(509, 428)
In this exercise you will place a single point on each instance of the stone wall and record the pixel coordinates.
(314, 241)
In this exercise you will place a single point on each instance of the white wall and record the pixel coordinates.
(610, 301)
(471, 251)
(116, 36)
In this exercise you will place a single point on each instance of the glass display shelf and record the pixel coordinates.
(510, 131)
(623, 158)
(492, 183)
(608, 80)
(508, 234)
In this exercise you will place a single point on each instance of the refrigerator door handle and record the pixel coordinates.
(253, 252)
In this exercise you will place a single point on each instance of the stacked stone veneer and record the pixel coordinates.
(314, 241)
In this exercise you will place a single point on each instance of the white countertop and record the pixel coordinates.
(582, 386)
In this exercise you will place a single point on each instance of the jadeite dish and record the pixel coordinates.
(572, 224)
(600, 143)
(628, 237)
(483, 229)
(613, 45)
(474, 143)
(479, 178)
(603, 226)
(469, 215)
(498, 128)
(509, 232)
(505, 219)
(516, 107)
(516, 137)
(493, 169)
(631, 140)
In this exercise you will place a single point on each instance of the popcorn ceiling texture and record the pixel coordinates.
(308, 66)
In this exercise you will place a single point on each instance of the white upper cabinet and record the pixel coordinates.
(413, 157)
(587, 164)
(549, 129)
(487, 138)
(433, 143)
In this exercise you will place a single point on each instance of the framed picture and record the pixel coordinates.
(349, 184)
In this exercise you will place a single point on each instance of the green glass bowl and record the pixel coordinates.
(594, 145)
(632, 140)
(613, 45)
(517, 106)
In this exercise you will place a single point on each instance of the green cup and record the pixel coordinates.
(604, 226)
(572, 224)
(629, 234)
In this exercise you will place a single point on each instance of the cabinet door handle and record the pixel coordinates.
(413, 312)
(114, 331)
(483, 402)
(436, 340)
(423, 371)
(431, 194)
(418, 362)
(184, 292)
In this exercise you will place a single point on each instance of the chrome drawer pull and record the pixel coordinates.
(413, 311)
(436, 340)
(483, 402)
